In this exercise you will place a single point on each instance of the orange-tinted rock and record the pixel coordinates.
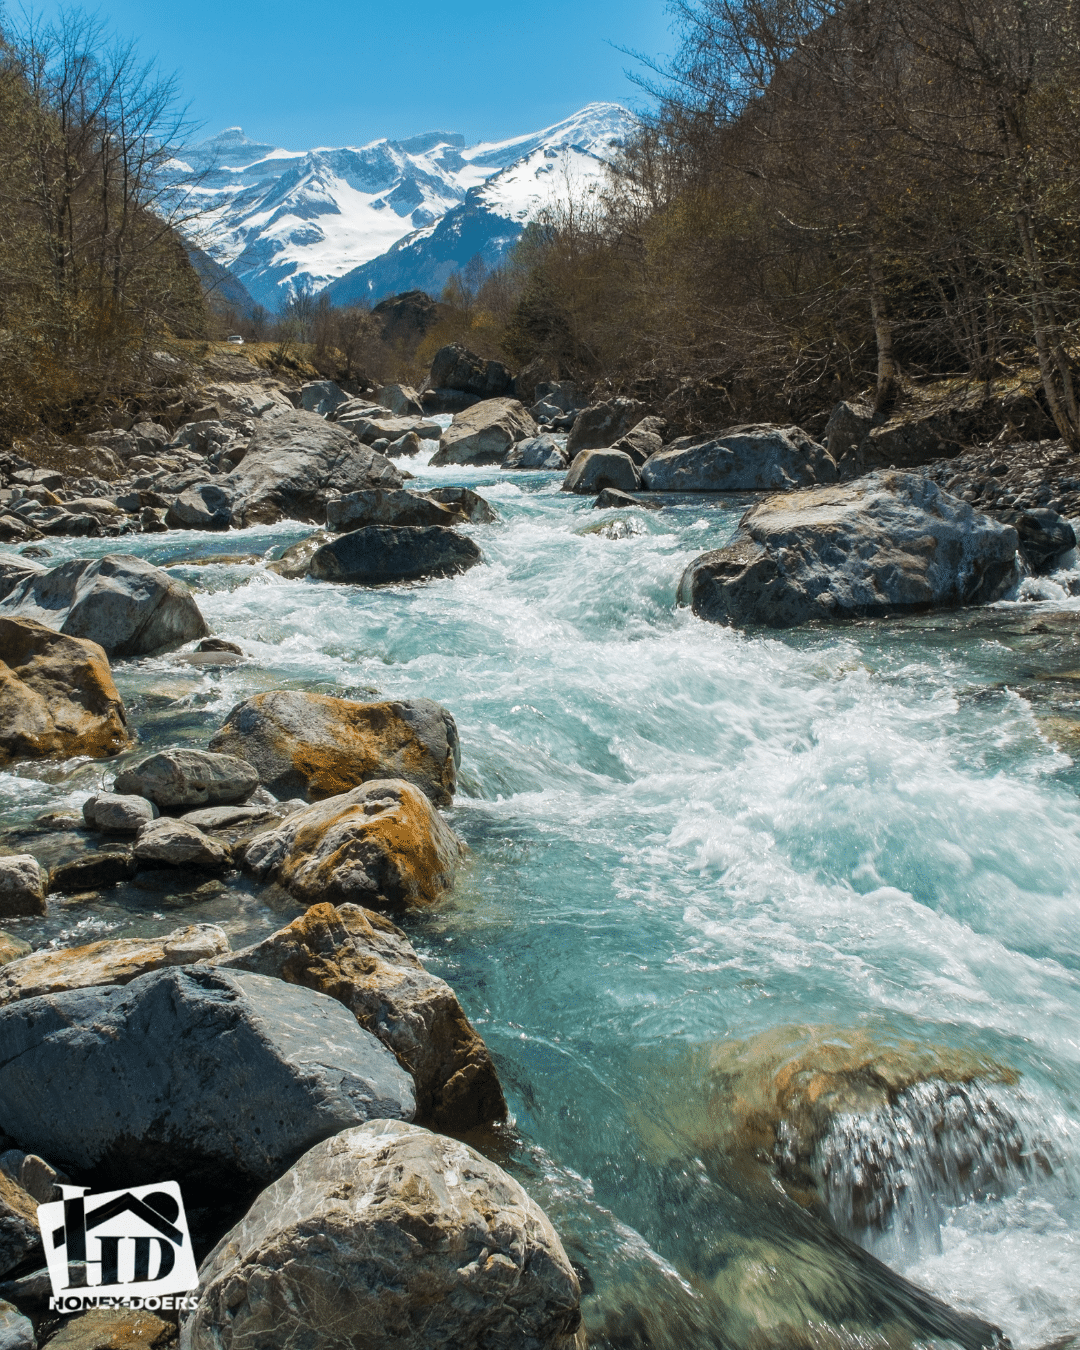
(57, 696)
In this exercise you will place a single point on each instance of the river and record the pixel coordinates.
(681, 835)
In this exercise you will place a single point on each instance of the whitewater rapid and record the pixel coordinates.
(680, 834)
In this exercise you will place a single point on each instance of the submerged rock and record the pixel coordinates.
(887, 544)
(124, 604)
(485, 433)
(295, 562)
(173, 778)
(382, 845)
(379, 555)
(744, 459)
(594, 470)
(389, 1236)
(315, 746)
(57, 696)
(222, 1077)
(362, 960)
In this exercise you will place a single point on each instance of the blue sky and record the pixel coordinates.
(347, 71)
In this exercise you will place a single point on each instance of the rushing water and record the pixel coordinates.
(682, 835)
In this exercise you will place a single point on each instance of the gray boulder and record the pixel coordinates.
(381, 554)
(124, 604)
(847, 425)
(223, 1078)
(20, 1236)
(484, 434)
(612, 498)
(369, 430)
(602, 424)
(889, 543)
(561, 393)
(469, 503)
(22, 886)
(594, 470)
(538, 452)
(321, 397)
(202, 507)
(404, 447)
(16, 1331)
(295, 463)
(905, 441)
(1044, 535)
(173, 778)
(389, 1236)
(455, 367)
(451, 401)
(397, 506)
(178, 843)
(744, 459)
(113, 813)
(401, 399)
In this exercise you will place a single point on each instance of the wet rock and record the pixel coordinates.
(221, 1077)
(469, 504)
(362, 960)
(322, 397)
(295, 562)
(124, 604)
(114, 1329)
(313, 746)
(178, 843)
(216, 644)
(744, 459)
(484, 434)
(113, 813)
(399, 506)
(381, 426)
(295, 463)
(202, 507)
(538, 452)
(379, 555)
(174, 778)
(389, 1235)
(455, 367)
(1044, 535)
(601, 424)
(404, 447)
(91, 872)
(885, 544)
(152, 520)
(612, 498)
(382, 845)
(20, 1237)
(16, 1331)
(22, 886)
(12, 948)
(401, 399)
(118, 961)
(57, 696)
(594, 470)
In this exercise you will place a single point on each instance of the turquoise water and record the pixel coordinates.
(679, 835)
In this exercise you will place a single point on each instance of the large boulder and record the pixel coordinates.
(126, 605)
(538, 452)
(471, 505)
(202, 507)
(389, 1236)
(1044, 535)
(485, 433)
(602, 424)
(889, 543)
(594, 470)
(322, 397)
(295, 463)
(116, 961)
(362, 960)
(174, 778)
(314, 746)
(379, 425)
(455, 367)
(57, 697)
(398, 506)
(401, 399)
(847, 425)
(744, 459)
(378, 555)
(222, 1077)
(382, 845)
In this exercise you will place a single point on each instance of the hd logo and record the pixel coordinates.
(133, 1245)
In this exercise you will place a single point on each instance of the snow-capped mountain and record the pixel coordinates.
(384, 217)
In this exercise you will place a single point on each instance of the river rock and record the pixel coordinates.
(382, 845)
(16, 1331)
(114, 1329)
(124, 604)
(295, 562)
(484, 434)
(116, 961)
(1044, 535)
(221, 1077)
(20, 1236)
(92, 872)
(380, 425)
(398, 506)
(601, 424)
(379, 555)
(295, 463)
(455, 367)
(22, 886)
(613, 499)
(538, 452)
(907, 440)
(12, 948)
(886, 544)
(57, 697)
(322, 397)
(401, 399)
(314, 746)
(389, 1236)
(114, 813)
(468, 503)
(404, 447)
(365, 962)
(844, 431)
(202, 507)
(177, 843)
(594, 470)
(744, 459)
(173, 778)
